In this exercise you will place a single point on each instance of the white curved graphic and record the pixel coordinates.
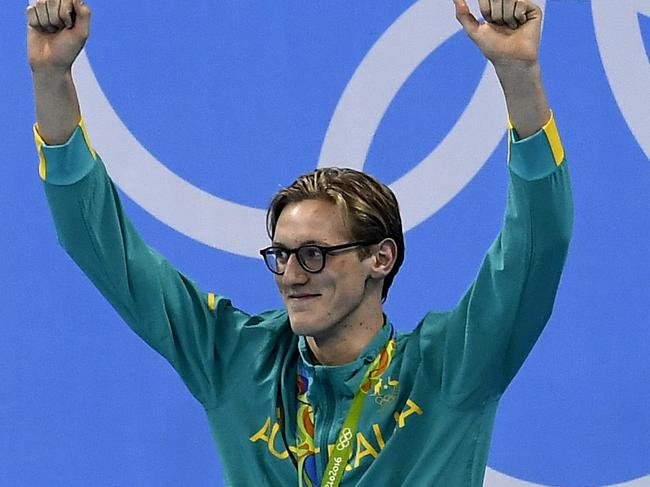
(497, 479)
(626, 64)
(391, 61)
(196, 213)
(620, 42)
(240, 229)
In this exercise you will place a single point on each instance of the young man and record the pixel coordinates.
(340, 398)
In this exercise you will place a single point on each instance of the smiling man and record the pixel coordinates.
(326, 392)
(344, 229)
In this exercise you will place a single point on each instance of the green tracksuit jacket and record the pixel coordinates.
(429, 422)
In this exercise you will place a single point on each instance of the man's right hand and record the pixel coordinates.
(57, 32)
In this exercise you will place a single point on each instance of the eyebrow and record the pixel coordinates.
(306, 242)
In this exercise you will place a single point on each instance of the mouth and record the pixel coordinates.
(302, 297)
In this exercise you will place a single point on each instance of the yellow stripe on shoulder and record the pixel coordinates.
(212, 301)
(553, 136)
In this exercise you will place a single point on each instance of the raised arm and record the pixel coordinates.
(56, 35)
(475, 350)
(198, 333)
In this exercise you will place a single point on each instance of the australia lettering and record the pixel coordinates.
(364, 447)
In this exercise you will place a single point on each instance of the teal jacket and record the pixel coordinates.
(427, 423)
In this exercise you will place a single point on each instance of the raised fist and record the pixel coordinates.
(57, 32)
(510, 33)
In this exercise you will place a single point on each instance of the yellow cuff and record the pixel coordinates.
(212, 302)
(552, 135)
(40, 143)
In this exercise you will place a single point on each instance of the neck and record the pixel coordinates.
(344, 347)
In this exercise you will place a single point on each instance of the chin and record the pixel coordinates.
(306, 327)
(300, 327)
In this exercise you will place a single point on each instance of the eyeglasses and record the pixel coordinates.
(310, 257)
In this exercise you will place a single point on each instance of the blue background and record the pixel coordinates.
(237, 99)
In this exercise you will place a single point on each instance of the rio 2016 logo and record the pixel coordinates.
(388, 64)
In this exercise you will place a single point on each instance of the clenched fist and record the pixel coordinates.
(510, 38)
(510, 34)
(57, 32)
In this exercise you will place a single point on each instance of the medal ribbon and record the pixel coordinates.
(342, 451)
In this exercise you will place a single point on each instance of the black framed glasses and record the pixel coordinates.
(310, 257)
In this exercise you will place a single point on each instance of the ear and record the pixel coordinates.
(383, 258)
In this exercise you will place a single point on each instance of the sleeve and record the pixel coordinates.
(165, 308)
(475, 350)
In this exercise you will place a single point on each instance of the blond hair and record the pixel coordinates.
(369, 208)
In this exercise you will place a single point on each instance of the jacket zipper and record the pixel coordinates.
(327, 426)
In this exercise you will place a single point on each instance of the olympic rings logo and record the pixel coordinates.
(344, 439)
(382, 400)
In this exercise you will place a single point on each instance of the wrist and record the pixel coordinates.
(525, 97)
(517, 73)
(57, 106)
(51, 72)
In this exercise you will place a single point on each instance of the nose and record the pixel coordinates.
(294, 274)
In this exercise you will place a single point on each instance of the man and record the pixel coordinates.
(326, 392)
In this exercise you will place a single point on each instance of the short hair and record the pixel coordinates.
(369, 208)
